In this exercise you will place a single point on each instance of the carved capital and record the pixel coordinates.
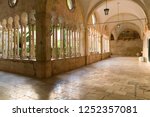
(24, 19)
(32, 19)
(10, 22)
(4, 23)
(16, 22)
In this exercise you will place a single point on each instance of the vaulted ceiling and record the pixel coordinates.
(128, 10)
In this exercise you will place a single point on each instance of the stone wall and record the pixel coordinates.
(19, 67)
(65, 65)
(126, 47)
(58, 8)
(92, 58)
(97, 57)
(22, 6)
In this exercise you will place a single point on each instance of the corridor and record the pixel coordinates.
(118, 78)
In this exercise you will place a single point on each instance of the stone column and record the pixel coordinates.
(56, 42)
(32, 25)
(10, 39)
(67, 41)
(79, 42)
(101, 47)
(24, 22)
(96, 41)
(16, 37)
(63, 42)
(54, 35)
(43, 37)
(99, 43)
(87, 47)
(74, 41)
(4, 29)
(1, 28)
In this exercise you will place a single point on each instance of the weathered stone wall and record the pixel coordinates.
(22, 6)
(59, 9)
(19, 67)
(65, 65)
(97, 57)
(106, 55)
(92, 58)
(126, 47)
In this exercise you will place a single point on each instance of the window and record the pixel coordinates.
(94, 38)
(65, 42)
(18, 41)
(106, 47)
(71, 4)
(93, 19)
(12, 3)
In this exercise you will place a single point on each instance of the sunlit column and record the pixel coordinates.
(67, 41)
(1, 38)
(54, 35)
(91, 40)
(10, 39)
(32, 26)
(53, 42)
(72, 41)
(24, 22)
(4, 30)
(61, 22)
(96, 42)
(16, 36)
(69, 34)
(56, 42)
(75, 38)
(63, 42)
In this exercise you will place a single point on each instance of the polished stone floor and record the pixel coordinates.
(116, 78)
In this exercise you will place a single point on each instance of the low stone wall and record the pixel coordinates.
(94, 58)
(35, 69)
(18, 66)
(97, 57)
(106, 55)
(65, 65)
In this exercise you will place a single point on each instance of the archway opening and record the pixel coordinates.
(128, 43)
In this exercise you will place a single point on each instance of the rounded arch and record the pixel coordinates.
(140, 3)
(138, 23)
(128, 31)
(127, 25)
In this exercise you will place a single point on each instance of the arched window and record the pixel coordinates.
(12, 3)
(71, 4)
(93, 19)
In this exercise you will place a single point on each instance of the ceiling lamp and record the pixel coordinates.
(106, 10)
(118, 26)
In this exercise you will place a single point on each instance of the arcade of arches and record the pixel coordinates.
(71, 49)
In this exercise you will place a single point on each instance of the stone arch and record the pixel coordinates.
(136, 1)
(131, 25)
